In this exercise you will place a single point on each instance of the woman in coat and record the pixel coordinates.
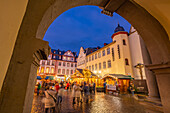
(49, 101)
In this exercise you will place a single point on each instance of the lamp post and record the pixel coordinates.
(140, 66)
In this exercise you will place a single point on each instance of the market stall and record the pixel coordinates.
(117, 82)
(84, 75)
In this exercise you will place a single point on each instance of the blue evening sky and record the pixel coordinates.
(83, 26)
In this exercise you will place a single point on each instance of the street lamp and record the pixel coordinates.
(140, 66)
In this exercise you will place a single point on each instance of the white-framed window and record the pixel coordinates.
(92, 57)
(96, 56)
(108, 51)
(103, 53)
(95, 66)
(104, 65)
(99, 54)
(100, 66)
(109, 64)
(59, 63)
(89, 58)
(92, 67)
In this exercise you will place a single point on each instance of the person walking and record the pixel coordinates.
(78, 93)
(67, 85)
(60, 94)
(49, 99)
(38, 88)
(86, 92)
(104, 85)
(94, 87)
(57, 87)
(74, 92)
(132, 88)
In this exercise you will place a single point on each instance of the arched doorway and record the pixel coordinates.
(39, 15)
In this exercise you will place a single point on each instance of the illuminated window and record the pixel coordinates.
(47, 70)
(52, 70)
(64, 58)
(54, 56)
(108, 51)
(42, 69)
(109, 63)
(68, 58)
(104, 65)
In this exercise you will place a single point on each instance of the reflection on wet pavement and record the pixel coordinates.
(100, 103)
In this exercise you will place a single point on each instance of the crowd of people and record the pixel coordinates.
(54, 93)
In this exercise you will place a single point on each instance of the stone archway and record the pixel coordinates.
(39, 15)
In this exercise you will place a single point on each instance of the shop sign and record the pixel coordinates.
(111, 87)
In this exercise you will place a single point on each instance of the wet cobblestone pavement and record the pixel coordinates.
(100, 103)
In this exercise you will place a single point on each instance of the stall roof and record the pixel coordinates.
(81, 72)
(119, 76)
(47, 77)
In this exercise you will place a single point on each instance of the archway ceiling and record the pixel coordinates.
(160, 9)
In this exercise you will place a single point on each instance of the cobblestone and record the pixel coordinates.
(100, 103)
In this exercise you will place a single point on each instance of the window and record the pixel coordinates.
(67, 71)
(113, 55)
(64, 58)
(71, 64)
(59, 63)
(108, 51)
(68, 64)
(71, 71)
(60, 52)
(86, 59)
(47, 70)
(54, 56)
(126, 62)
(52, 70)
(86, 67)
(63, 71)
(42, 69)
(99, 54)
(92, 67)
(59, 57)
(89, 58)
(75, 65)
(96, 56)
(48, 62)
(95, 66)
(104, 65)
(118, 50)
(92, 57)
(100, 66)
(43, 62)
(103, 53)
(59, 71)
(54, 51)
(64, 64)
(109, 63)
(124, 42)
(53, 63)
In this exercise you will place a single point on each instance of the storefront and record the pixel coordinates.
(118, 80)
